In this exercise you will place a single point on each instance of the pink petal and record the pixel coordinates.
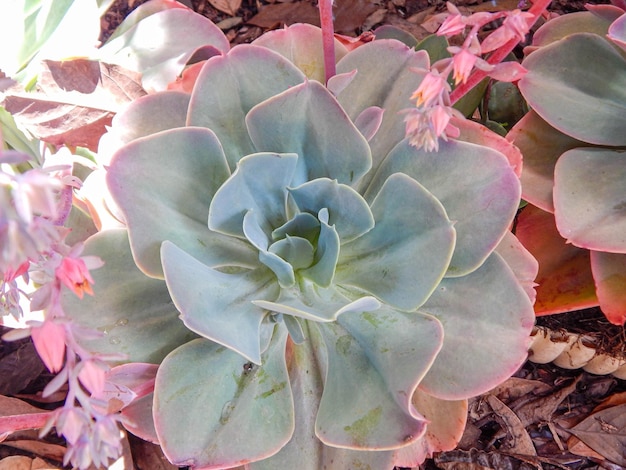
(49, 340)
(92, 376)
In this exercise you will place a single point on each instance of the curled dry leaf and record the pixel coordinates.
(21, 462)
(74, 102)
(230, 7)
(521, 441)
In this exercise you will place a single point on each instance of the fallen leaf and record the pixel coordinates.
(38, 447)
(605, 433)
(19, 368)
(75, 101)
(476, 460)
(59, 124)
(350, 15)
(515, 388)
(19, 462)
(39, 464)
(230, 7)
(613, 400)
(18, 415)
(521, 442)
(500, 5)
(94, 83)
(542, 409)
(12, 406)
(375, 18)
(16, 462)
(578, 447)
(275, 15)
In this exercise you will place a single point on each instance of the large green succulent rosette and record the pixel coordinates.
(302, 287)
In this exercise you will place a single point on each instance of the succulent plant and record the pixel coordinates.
(313, 287)
(574, 162)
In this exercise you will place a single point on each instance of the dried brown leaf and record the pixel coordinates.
(350, 15)
(39, 464)
(278, 14)
(16, 462)
(19, 368)
(19, 462)
(230, 7)
(75, 101)
(515, 388)
(12, 406)
(57, 123)
(605, 433)
(500, 5)
(521, 442)
(613, 400)
(542, 409)
(578, 447)
(478, 460)
(38, 447)
(94, 83)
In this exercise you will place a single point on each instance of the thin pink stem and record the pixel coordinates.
(498, 56)
(328, 37)
(14, 423)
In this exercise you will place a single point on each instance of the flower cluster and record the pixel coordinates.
(34, 205)
(431, 117)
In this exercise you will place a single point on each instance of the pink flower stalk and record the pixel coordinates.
(328, 39)
(515, 26)
(74, 274)
(430, 119)
(49, 340)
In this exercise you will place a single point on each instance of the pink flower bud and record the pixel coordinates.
(92, 376)
(49, 340)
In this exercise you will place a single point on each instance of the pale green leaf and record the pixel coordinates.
(590, 212)
(403, 258)
(166, 198)
(388, 72)
(247, 75)
(155, 47)
(259, 184)
(378, 355)
(219, 305)
(587, 103)
(487, 318)
(133, 312)
(307, 120)
(475, 184)
(212, 410)
(348, 212)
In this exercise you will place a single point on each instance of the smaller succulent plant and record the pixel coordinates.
(575, 162)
